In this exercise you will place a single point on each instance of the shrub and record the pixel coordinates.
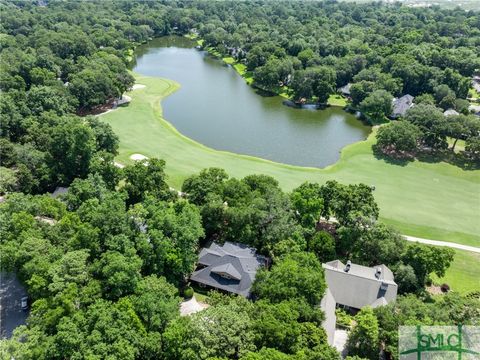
(188, 292)
(445, 288)
(344, 320)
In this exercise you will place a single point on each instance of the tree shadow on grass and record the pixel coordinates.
(390, 158)
(427, 156)
(456, 159)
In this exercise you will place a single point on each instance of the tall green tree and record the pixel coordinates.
(378, 105)
(298, 275)
(363, 340)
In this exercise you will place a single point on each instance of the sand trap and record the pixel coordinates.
(117, 164)
(125, 99)
(138, 157)
(138, 86)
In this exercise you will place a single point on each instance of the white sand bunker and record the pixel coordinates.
(117, 164)
(138, 86)
(125, 99)
(138, 157)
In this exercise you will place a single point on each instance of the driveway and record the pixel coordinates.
(340, 341)
(11, 313)
(191, 306)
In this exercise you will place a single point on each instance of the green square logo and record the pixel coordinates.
(439, 342)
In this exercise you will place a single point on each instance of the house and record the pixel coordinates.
(401, 105)
(345, 90)
(59, 190)
(474, 109)
(328, 305)
(352, 287)
(450, 112)
(230, 267)
(476, 83)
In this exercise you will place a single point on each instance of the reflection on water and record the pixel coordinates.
(217, 108)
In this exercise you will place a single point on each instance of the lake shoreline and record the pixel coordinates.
(225, 114)
(185, 156)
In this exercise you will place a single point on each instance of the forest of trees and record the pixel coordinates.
(106, 264)
(72, 57)
(425, 127)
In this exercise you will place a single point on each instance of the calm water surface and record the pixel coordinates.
(215, 107)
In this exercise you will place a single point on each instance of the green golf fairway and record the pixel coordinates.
(464, 273)
(430, 200)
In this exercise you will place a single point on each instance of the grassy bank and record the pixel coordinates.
(431, 200)
(241, 69)
(463, 274)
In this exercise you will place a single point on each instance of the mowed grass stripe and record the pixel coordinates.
(464, 273)
(430, 200)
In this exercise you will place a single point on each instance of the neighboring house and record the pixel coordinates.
(475, 109)
(60, 190)
(11, 313)
(345, 90)
(476, 83)
(450, 112)
(230, 267)
(353, 287)
(401, 105)
(328, 305)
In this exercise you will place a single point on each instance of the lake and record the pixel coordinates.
(215, 107)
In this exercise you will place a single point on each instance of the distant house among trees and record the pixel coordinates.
(352, 287)
(401, 105)
(345, 90)
(450, 112)
(59, 190)
(476, 83)
(230, 267)
(475, 109)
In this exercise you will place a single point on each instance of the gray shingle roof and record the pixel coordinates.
(227, 270)
(231, 267)
(328, 305)
(476, 83)
(450, 112)
(401, 105)
(360, 286)
(345, 90)
(60, 190)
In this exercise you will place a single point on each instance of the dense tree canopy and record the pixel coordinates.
(105, 263)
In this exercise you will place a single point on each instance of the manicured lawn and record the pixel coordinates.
(473, 94)
(459, 146)
(464, 273)
(431, 200)
(229, 60)
(213, 51)
(203, 298)
(337, 100)
(242, 70)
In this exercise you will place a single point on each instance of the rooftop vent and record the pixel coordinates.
(378, 273)
(347, 267)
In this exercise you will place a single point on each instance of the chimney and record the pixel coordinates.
(347, 267)
(378, 273)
